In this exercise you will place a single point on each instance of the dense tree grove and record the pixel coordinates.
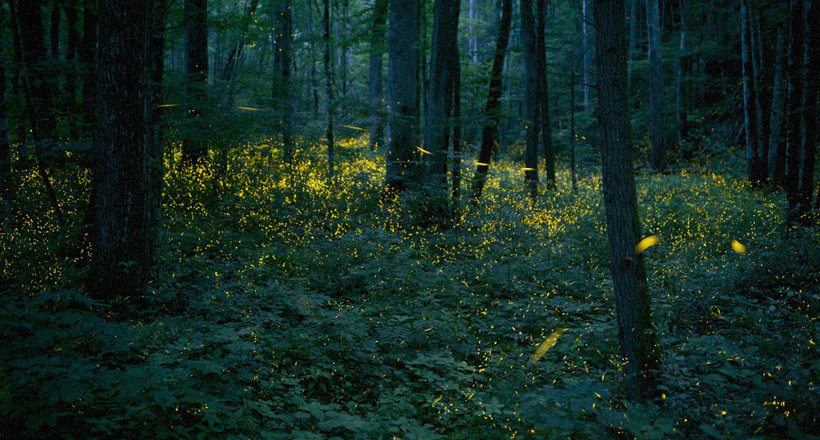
(227, 219)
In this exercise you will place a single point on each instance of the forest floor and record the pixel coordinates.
(288, 307)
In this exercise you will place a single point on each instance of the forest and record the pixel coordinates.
(409, 219)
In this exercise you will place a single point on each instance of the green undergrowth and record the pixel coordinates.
(286, 305)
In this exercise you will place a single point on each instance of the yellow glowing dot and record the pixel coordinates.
(737, 247)
(546, 345)
(527, 169)
(482, 164)
(423, 151)
(646, 243)
(663, 396)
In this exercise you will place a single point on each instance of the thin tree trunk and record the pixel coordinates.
(281, 87)
(808, 149)
(71, 67)
(489, 132)
(754, 164)
(680, 87)
(402, 93)
(777, 151)
(794, 106)
(657, 105)
(156, 68)
(88, 58)
(375, 83)
(5, 151)
(572, 129)
(586, 60)
(456, 118)
(761, 140)
(636, 334)
(436, 123)
(543, 93)
(329, 90)
(632, 50)
(532, 104)
(54, 32)
(194, 147)
(473, 41)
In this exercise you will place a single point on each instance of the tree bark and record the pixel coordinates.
(122, 236)
(543, 93)
(489, 132)
(633, 42)
(375, 84)
(156, 145)
(808, 148)
(402, 93)
(436, 123)
(777, 151)
(658, 134)
(531, 101)
(71, 57)
(755, 167)
(194, 148)
(329, 91)
(587, 49)
(88, 58)
(5, 151)
(680, 87)
(282, 66)
(636, 334)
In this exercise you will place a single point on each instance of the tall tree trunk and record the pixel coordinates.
(156, 145)
(5, 151)
(572, 129)
(680, 87)
(755, 166)
(456, 118)
(236, 53)
(38, 76)
(587, 49)
(756, 52)
(376, 88)
(436, 117)
(54, 31)
(777, 150)
(808, 147)
(329, 90)
(532, 104)
(71, 57)
(402, 93)
(281, 87)
(632, 50)
(473, 40)
(636, 334)
(658, 134)
(88, 58)
(194, 147)
(122, 236)
(489, 132)
(543, 93)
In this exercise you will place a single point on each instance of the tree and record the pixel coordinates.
(777, 152)
(88, 59)
(122, 234)
(194, 149)
(531, 101)
(636, 335)
(282, 84)
(658, 134)
(402, 93)
(756, 163)
(5, 152)
(587, 52)
(443, 58)
(543, 93)
(489, 132)
(329, 89)
(375, 72)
